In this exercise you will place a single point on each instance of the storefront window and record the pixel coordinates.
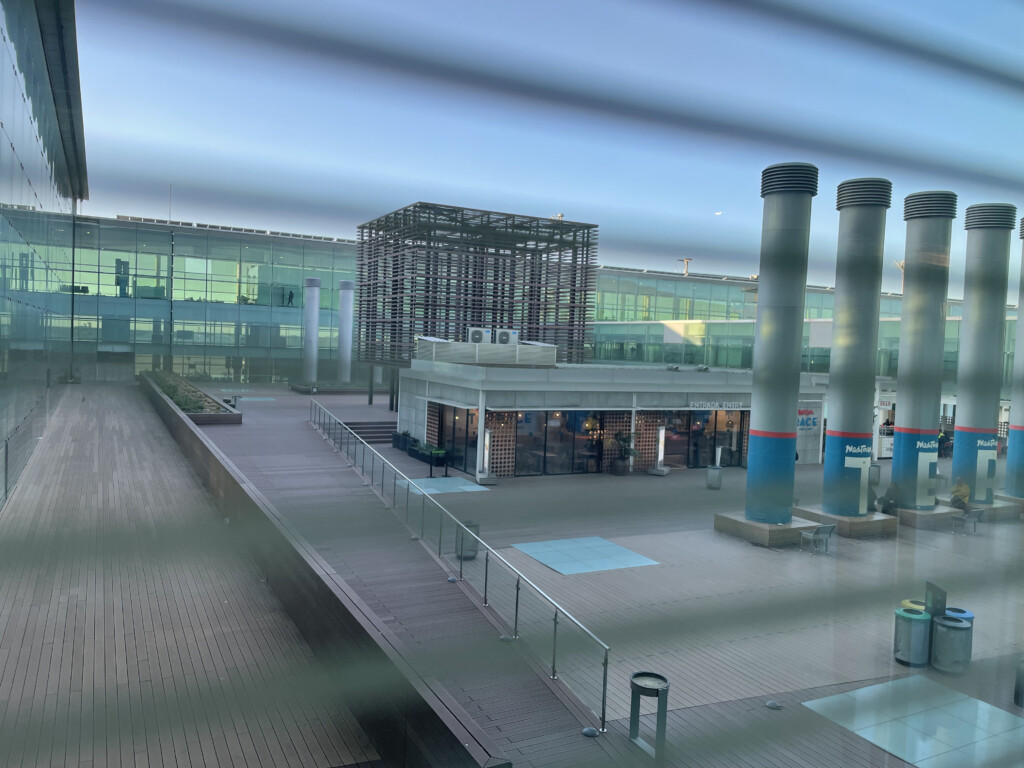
(530, 427)
(558, 453)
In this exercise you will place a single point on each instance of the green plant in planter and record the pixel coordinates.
(624, 442)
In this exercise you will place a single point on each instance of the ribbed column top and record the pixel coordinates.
(789, 177)
(346, 285)
(998, 215)
(312, 282)
(1022, 229)
(922, 204)
(864, 192)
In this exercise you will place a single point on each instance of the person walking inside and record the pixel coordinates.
(291, 299)
(960, 495)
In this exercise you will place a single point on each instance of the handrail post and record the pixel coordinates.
(515, 621)
(440, 532)
(408, 486)
(554, 646)
(487, 568)
(460, 537)
(604, 695)
(423, 516)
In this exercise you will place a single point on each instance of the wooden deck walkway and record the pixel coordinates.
(132, 631)
(445, 633)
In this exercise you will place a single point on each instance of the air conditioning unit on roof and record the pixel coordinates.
(478, 335)
(506, 336)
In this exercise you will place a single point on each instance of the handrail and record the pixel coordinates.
(520, 576)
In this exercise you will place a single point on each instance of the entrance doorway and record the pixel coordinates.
(693, 438)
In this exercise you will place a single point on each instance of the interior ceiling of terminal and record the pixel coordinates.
(652, 119)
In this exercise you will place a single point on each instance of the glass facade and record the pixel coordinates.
(730, 344)
(35, 313)
(630, 295)
(208, 303)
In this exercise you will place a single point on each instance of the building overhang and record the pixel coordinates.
(58, 32)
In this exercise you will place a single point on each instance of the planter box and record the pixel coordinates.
(433, 458)
(402, 442)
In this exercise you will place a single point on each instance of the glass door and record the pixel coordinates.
(702, 439)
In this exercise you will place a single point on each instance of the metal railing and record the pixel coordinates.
(578, 657)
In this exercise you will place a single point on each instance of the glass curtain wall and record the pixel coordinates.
(207, 303)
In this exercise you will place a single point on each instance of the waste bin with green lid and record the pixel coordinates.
(912, 637)
(715, 478)
(466, 546)
(951, 644)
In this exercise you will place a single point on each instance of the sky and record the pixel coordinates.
(650, 118)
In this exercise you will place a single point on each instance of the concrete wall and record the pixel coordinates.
(411, 722)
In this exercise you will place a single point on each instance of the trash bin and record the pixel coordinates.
(916, 604)
(874, 474)
(715, 478)
(466, 547)
(960, 613)
(951, 644)
(911, 638)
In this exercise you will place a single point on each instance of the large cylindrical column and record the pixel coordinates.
(929, 217)
(346, 303)
(311, 329)
(979, 370)
(787, 190)
(1015, 438)
(862, 205)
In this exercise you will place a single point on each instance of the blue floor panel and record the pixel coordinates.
(432, 485)
(571, 556)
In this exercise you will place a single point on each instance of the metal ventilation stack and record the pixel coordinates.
(1015, 437)
(929, 217)
(311, 329)
(862, 206)
(787, 190)
(982, 333)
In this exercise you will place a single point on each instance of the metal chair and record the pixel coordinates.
(816, 537)
(971, 516)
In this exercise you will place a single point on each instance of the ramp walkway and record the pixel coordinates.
(132, 631)
(444, 631)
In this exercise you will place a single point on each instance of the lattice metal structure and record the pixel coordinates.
(438, 270)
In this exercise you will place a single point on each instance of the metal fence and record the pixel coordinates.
(575, 654)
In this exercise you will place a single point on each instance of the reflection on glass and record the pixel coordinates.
(702, 437)
(677, 438)
(586, 428)
(530, 442)
(472, 427)
(457, 449)
(727, 437)
(558, 455)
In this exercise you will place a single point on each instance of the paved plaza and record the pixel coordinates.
(729, 622)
